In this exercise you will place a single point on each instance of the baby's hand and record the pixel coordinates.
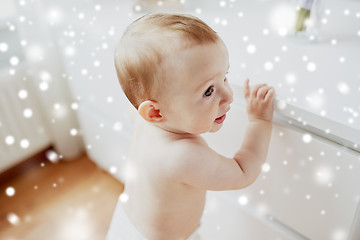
(259, 101)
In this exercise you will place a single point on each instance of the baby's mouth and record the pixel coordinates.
(221, 119)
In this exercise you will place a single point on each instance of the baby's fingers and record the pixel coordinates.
(254, 90)
(262, 92)
(246, 89)
(269, 95)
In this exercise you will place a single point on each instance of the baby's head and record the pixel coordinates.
(172, 68)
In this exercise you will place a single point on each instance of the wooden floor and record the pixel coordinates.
(57, 201)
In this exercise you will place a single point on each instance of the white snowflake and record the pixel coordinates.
(243, 200)
(311, 67)
(13, 219)
(251, 49)
(52, 156)
(268, 66)
(24, 143)
(10, 191)
(307, 138)
(9, 140)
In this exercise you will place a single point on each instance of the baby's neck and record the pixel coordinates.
(164, 132)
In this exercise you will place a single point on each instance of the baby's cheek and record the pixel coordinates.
(199, 126)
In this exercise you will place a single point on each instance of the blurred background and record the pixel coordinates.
(60, 103)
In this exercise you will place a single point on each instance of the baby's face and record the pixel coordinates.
(197, 94)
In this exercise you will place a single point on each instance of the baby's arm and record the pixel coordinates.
(201, 167)
(253, 151)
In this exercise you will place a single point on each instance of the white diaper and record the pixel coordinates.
(195, 235)
(122, 229)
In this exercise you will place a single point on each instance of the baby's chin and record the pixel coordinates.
(215, 128)
(208, 130)
(201, 129)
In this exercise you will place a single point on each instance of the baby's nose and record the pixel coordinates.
(227, 97)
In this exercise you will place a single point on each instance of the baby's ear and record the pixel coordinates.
(150, 111)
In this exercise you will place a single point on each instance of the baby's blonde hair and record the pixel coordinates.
(144, 45)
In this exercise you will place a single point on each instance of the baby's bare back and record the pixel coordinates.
(159, 206)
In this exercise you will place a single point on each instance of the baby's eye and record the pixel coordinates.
(225, 79)
(209, 91)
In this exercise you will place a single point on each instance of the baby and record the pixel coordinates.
(173, 70)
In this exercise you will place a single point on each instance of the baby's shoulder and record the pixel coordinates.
(186, 148)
